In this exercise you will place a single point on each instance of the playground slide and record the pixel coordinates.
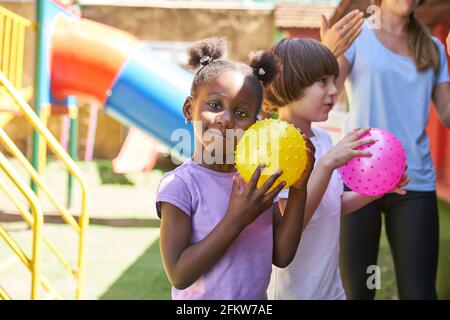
(138, 154)
(132, 83)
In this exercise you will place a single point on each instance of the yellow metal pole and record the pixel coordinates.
(14, 247)
(22, 256)
(72, 167)
(13, 57)
(30, 220)
(42, 146)
(37, 226)
(16, 153)
(12, 44)
(6, 45)
(11, 64)
(2, 36)
(20, 55)
(4, 295)
(84, 221)
(54, 145)
(6, 13)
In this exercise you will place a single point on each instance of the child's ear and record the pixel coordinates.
(187, 107)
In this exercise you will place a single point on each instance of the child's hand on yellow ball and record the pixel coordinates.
(302, 183)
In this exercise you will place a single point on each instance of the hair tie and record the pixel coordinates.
(205, 60)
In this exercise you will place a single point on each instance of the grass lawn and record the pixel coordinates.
(122, 263)
(125, 263)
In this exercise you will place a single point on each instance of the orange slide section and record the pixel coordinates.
(86, 57)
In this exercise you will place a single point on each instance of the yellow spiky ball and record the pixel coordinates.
(276, 143)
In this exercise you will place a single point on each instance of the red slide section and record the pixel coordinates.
(86, 57)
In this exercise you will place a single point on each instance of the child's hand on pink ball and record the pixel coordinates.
(403, 182)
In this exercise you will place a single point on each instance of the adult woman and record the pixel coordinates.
(393, 72)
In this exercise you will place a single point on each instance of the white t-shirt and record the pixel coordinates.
(314, 272)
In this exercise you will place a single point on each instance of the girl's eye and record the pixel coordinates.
(241, 114)
(323, 80)
(214, 105)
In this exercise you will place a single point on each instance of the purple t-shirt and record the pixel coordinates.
(203, 194)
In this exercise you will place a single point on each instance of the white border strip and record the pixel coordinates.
(180, 4)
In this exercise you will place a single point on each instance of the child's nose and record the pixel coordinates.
(225, 119)
(332, 90)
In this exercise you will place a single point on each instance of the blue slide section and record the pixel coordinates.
(149, 93)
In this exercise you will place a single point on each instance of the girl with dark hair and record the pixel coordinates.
(219, 235)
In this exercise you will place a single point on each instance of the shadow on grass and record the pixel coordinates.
(145, 279)
(107, 176)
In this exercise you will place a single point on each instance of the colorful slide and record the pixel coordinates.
(131, 82)
(138, 153)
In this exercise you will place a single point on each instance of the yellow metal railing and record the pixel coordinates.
(34, 264)
(12, 45)
(4, 295)
(60, 153)
(12, 48)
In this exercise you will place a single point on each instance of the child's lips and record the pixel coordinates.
(219, 134)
